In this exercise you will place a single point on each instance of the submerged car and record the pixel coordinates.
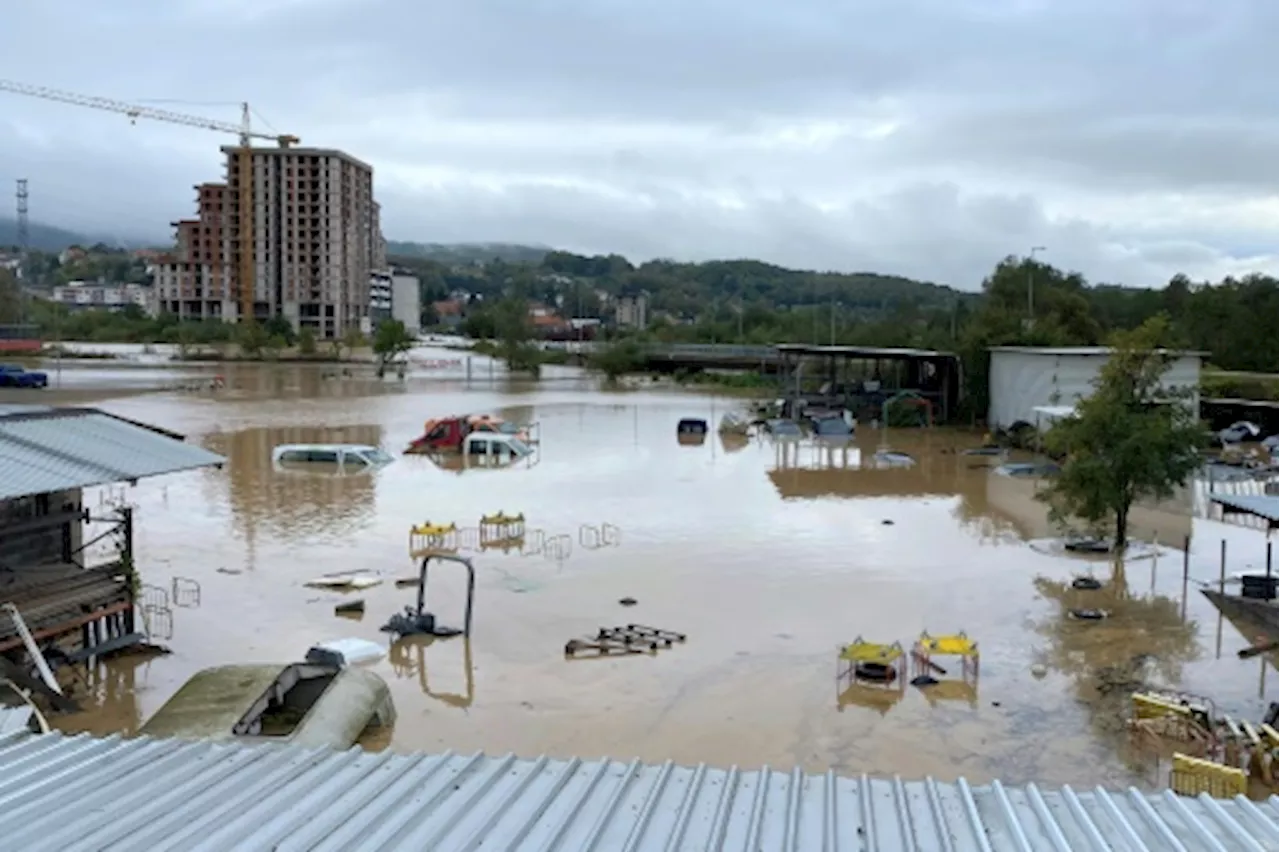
(358, 456)
(1027, 469)
(306, 704)
(1239, 432)
(784, 429)
(831, 426)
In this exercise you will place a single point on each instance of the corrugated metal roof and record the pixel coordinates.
(1258, 505)
(80, 793)
(48, 449)
(861, 351)
(1089, 351)
(7, 408)
(14, 719)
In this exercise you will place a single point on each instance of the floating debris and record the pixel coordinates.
(1087, 614)
(344, 582)
(1087, 545)
(629, 639)
(345, 652)
(410, 623)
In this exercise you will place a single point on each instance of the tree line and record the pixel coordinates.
(746, 301)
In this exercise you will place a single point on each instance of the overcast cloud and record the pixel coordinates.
(1133, 138)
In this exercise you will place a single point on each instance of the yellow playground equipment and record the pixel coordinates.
(950, 645)
(872, 664)
(1192, 776)
(428, 538)
(501, 531)
(1227, 751)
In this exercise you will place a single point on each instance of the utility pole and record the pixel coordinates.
(1031, 281)
(24, 233)
(833, 320)
(24, 246)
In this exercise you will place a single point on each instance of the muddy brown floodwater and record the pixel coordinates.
(768, 557)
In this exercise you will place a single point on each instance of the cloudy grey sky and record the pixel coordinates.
(1132, 138)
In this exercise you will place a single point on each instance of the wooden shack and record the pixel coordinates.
(69, 571)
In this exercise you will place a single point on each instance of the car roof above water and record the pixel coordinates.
(344, 448)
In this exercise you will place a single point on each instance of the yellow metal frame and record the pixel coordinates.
(862, 651)
(426, 538)
(502, 531)
(951, 645)
(958, 645)
(1191, 776)
(861, 691)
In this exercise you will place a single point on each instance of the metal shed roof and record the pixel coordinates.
(1093, 351)
(1258, 505)
(46, 449)
(80, 793)
(861, 351)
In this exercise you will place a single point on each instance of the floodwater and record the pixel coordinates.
(767, 556)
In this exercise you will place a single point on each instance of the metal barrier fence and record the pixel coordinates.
(506, 533)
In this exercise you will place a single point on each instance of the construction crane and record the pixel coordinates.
(244, 160)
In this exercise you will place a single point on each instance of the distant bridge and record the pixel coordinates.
(673, 356)
(729, 356)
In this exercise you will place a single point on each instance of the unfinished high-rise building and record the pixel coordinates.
(315, 237)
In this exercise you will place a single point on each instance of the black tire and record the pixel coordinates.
(878, 672)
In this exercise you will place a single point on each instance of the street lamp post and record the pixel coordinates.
(1031, 279)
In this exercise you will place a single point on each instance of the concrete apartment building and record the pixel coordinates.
(632, 311)
(395, 294)
(316, 237)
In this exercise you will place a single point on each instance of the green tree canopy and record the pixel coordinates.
(1134, 437)
(391, 341)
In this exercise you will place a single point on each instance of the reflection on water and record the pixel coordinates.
(1013, 498)
(764, 585)
(810, 468)
(409, 659)
(1143, 642)
(324, 502)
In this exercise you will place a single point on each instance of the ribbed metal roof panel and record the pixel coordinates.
(1252, 504)
(44, 450)
(83, 793)
(14, 719)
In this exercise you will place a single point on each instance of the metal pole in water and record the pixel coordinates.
(1222, 568)
(1269, 572)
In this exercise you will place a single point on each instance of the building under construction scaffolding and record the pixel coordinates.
(865, 379)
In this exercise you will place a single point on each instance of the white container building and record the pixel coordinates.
(1026, 382)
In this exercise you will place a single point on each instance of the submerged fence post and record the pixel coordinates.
(1222, 569)
(1269, 560)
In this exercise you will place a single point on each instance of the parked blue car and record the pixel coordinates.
(16, 376)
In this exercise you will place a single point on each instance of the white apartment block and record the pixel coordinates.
(316, 236)
(395, 294)
(100, 296)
